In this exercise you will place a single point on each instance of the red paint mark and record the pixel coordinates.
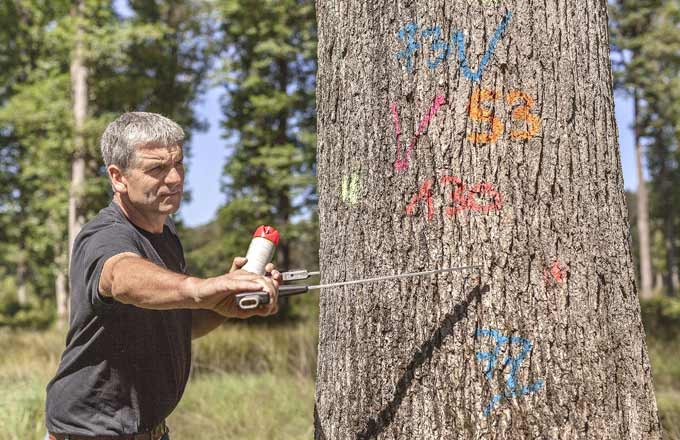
(557, 271)
(462, 198)
(458, 197)
(485, 190)
(425, 192)
(402, 164)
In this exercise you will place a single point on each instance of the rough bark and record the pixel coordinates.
(517, 170)
(644, 241)
(79, 74)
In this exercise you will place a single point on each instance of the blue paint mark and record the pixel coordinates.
(443, 49)
(459, 39)
(437, 44)
(512, 388)
(408, 34)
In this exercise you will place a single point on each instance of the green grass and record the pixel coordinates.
(255, 381)
(247, 407)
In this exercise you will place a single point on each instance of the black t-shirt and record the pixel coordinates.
(124, 368)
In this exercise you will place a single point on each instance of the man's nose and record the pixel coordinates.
(175, 176)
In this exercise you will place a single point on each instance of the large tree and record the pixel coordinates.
(475, 132)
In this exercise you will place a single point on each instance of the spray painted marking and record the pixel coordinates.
(522, 103)
(557, 274)
(425, 192)
(462, 197)
(408, 35)
(462, 57)
(402, 164)
(512, 388)
(351, 186)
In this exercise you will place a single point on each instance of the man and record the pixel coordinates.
(134, 310)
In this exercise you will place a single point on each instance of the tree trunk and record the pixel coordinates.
(22, 288)
(642, 208)
(671, 262)
(506, 156)
(61, 289)
(79, 74)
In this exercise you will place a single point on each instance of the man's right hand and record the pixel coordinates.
(219, 293)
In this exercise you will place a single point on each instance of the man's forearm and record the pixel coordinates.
(140, 282)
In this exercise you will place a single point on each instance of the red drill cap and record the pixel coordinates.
(269, 233)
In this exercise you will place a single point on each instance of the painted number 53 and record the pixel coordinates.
(525, 124)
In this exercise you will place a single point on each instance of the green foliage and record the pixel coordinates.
(270, 118)
(155, 60)
(661, 317)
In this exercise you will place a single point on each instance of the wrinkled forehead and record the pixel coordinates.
(153, 150)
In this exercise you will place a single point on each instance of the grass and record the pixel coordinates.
(247, 407)
(250, 381)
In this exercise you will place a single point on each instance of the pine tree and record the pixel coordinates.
(270, 119)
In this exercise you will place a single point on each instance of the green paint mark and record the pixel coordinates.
(351, 186)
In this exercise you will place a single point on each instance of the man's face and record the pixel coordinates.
(156, 178)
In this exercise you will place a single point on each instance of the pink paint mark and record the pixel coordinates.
(558, 272)
(425, 192)
(403, 164)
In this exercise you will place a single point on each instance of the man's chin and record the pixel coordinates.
(167, 207)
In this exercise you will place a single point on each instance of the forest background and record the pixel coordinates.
(239, 76)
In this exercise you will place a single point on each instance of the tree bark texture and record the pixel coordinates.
(642, 204)
(463, 132)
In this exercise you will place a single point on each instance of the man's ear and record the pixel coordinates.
(118, 180)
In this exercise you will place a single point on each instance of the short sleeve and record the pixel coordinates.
(94, 251)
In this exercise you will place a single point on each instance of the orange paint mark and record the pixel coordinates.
(481, 114)
(521, 113)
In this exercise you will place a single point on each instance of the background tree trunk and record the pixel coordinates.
(642, 208)
(79, 75)
(518, 171)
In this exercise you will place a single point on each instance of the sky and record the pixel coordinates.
(209, 153)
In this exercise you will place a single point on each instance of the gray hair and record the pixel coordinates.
(137, 128)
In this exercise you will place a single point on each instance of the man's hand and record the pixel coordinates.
(218, 293)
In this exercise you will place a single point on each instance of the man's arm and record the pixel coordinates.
(131, 279)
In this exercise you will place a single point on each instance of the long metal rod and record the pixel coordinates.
(391, 277)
